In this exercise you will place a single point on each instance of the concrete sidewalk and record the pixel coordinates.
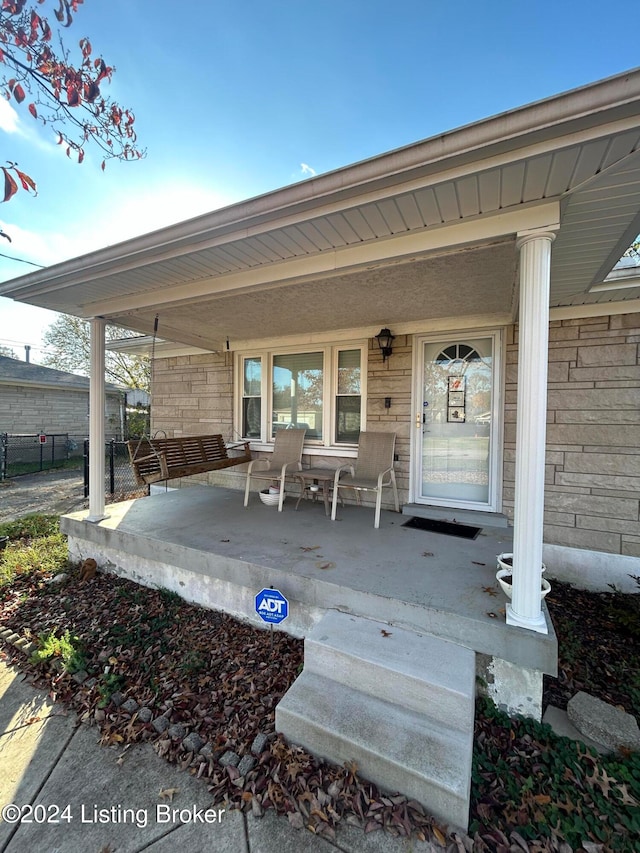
(78, 797)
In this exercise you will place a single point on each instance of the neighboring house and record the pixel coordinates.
(36, 399)
(514, 376)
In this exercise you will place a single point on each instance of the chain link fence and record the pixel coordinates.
(28, 454)
(120, 481)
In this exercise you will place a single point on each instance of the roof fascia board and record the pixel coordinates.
(594, 309)
(52, 386)
(337, 262)
(616, 284)
(144, 345)
(625, 240)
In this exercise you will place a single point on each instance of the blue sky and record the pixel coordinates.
(233, 99)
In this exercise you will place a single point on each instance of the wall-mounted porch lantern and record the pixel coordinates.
(384, 338)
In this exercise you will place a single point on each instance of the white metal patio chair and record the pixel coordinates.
(373, 470)
(286, 458)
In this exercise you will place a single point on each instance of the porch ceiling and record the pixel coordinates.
(470, 283)
(420, 233)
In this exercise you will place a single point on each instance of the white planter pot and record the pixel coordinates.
(503, 576)
(505, 561)
(270, 498)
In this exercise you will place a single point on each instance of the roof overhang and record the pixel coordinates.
(425, 233)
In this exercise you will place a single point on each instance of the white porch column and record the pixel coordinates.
(524, 609)
(96, 421)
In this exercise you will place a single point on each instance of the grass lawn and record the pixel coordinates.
(107, 640)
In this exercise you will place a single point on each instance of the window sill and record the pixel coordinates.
(347, 451)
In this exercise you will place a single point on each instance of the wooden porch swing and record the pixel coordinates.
(156, 459)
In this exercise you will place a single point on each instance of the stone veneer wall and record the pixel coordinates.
(593, 434)
(193, 395)
(25, 410)
(392, 379)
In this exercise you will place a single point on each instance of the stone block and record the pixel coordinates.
(625, 321)
(630, 547)
(603, 723)
(607, 400)
(207, 751)
(608, 354)
(598, 416)
(564, 333)
(246, 763)
(598, 481)
(130, 706)
(620, 435)
(563, 727)
(610, 373)
(563, 353)
(611, 464)
(572, 537)
(614, 525)
(117, 698)
(259, 743)
(558, 371)
(602, 320)
(230, 757)
(563, 500)
(177, 730)
(145, 715)
(193, 742)
(160, 724)
(564, 519)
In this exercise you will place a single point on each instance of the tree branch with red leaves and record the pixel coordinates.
(64, 96)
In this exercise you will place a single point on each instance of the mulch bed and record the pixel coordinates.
(599, 647)
(213, 676)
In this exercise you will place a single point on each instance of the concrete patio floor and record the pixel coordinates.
(202, 543)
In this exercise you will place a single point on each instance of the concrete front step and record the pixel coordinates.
(398, 749)
(420, 672)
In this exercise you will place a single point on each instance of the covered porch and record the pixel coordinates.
(203, 544)
(461, 245)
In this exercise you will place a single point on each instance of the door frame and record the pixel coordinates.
(497, 417)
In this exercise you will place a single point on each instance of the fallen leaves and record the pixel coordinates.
(221, 680)
(536, 792)
(168, 793)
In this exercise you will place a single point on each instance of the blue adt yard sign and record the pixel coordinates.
(272, 606)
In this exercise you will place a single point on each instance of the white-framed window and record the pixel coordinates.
(320, 388)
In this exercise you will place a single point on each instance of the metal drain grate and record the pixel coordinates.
(449, 528)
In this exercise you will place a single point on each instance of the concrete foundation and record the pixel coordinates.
(203, 544)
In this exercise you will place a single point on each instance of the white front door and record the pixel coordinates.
(456, 446)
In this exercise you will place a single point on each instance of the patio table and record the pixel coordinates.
(315, 476)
